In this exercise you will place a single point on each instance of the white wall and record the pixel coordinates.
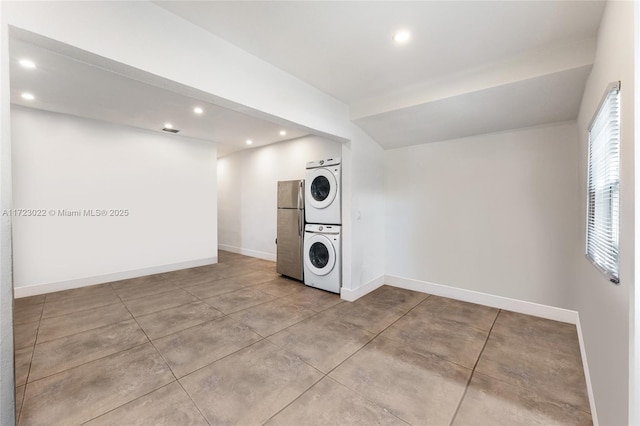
(493, 213)
(115, 30)
(7, 377)
(238, 79)
(363, 215)
(167, 183)
(605, 309)
(247, 191)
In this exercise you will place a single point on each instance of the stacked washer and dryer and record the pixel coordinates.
(323, 205)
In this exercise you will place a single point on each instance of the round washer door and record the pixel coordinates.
(320, 257)
(321, 188)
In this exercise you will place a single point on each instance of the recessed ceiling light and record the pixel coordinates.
(283, 132)
(402, 37)
(249, 141)
(27, 63)
(28, 96)
(198, 110)
(168, 126)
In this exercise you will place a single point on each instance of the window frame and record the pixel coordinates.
(612, 244)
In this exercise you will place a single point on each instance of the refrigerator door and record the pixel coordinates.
(290, 241)
(291, 194)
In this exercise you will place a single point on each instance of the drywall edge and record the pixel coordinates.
(353, 295)
(587, 376)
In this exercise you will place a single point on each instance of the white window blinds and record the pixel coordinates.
(603, 206)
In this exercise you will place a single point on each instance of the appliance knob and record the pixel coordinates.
(321, 162)
(320, 228)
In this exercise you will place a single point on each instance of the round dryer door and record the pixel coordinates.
(321, 189)
(321, 256)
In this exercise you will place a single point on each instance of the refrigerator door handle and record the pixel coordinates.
(300, 220)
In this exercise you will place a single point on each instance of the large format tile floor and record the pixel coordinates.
(235, 343)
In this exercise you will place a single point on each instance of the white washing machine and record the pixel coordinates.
(322, 257)
(322, 192)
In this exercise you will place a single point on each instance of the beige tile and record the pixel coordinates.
(90, 390)
(542, 333)
(22, 364)
(157, 302)
(25, 334)
(27, 314)
(76, 304)
(215, 288)
(169, 405)
(76, 322)
(255, 278)
(141, 290)
(249, 386)
(429, 334)
(19, 398)
(280, 286)
(70, 351)
(322, 341)
(169, 321)
(493, 402)
(189, 278)
(92, 290)
(387, 297)
(139, 281)
(227, 256)
(330, 403)
(22, 302)
(418, 389)
(238, 300)
(558, 376)
(272, 317)
(456, 311)
(261, 264)
(198, 270)
(203, 344)
(314, 299)
(365, 316)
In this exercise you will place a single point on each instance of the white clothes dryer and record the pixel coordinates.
(323, 257)
(323, 203)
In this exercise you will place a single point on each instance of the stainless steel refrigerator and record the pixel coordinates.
(290, 233)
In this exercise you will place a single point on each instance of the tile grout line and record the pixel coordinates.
(326, 375)
(299, 396)
(119, 406)
(33, 352)
(166, 363)
(148, 341)
(81, 331)
(473, 370)
(118, 352)
(375, 336)
(79, 310)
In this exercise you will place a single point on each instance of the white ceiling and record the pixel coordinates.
(67, 83)
(470, 67)
(346, 50)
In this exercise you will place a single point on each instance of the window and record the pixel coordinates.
(603, 185)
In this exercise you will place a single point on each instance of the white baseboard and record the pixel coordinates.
(515, 305)
(352, 295)
(247, 252)
(587, 376)
(34, 290)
